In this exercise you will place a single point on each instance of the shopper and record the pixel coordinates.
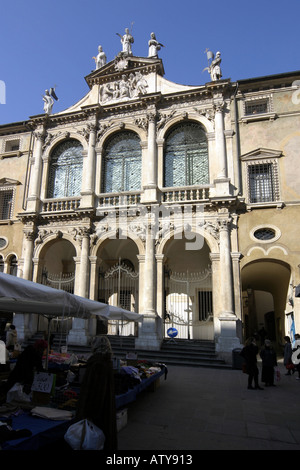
(29, 361)
(97, 393)
(11, 338)
(249, 353)
(269, 361)
(287, 356)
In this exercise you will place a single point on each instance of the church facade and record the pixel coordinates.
(177, 202)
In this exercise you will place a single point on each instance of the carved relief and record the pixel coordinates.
(128, 87)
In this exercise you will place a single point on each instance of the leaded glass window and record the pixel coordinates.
(186, 156)
(65, 173)
(122, 160)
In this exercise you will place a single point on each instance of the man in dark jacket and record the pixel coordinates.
(249, 353)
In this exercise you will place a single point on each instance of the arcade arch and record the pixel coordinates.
(265, 287)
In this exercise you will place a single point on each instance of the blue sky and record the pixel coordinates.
(47, 43)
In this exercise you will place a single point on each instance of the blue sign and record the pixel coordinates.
(172, 332)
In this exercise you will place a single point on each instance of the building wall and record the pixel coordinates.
(89, 232)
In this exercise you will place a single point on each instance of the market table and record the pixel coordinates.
(45, 432)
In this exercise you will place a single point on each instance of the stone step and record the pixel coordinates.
(196, 353)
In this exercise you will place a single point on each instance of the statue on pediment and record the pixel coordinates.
(126, 41)
(214, 68)
(100, 60)
(154, 46)
(48, 99)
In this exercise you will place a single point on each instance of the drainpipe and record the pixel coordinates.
(238, 152)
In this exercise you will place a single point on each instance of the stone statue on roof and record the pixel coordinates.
(100, 60)
(126, 41)
(154, 46)
(48, 100)
(214, 68)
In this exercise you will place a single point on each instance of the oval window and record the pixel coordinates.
(264, 233)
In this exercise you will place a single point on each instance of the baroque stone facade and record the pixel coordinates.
(189, 193)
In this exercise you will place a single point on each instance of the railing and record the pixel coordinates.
(110, 200)
(56, 205)
(118, 200)
(194, 194)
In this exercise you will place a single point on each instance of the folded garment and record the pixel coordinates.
(51, 413)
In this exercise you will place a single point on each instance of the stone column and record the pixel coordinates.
(226, 266)
(150, 331)
(28, 246)
(88, 180)
(228, 339)
(79, 332)
(222, 182)
(150, 164)
(220, 139)
(36, 172)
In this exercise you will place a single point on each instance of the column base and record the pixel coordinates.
(150, 333)
(78, 335)
(228, 340)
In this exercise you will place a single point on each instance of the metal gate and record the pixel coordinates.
(119, 286)
(188, 301)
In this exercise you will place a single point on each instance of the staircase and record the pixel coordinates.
(179, 352)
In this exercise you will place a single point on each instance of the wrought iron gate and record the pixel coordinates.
(119, 286)
(188, 301)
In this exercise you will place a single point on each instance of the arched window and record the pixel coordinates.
(65, 172)
(13, 265)
(122, 163)
(186, 156)
(1, 264)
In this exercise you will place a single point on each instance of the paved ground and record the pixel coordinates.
(207, 409)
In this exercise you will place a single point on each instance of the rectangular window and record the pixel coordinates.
(261, 186)
(12, 145)
(6, 203)
(205, 304)
(256, 107)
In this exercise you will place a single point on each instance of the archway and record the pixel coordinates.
(118, 280)
(265, 285)
(188, 290)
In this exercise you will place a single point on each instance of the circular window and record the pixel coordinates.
(3, 243)
(265, 234)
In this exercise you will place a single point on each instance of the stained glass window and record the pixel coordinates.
(122, 160)
(186, 156)
(65, 174)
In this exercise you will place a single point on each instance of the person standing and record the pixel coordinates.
(287, 356)
(11, 338)
(249, 353)
(269, 361)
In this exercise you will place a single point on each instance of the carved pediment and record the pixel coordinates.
(124, 65)
(261, 153)
(8, 182)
